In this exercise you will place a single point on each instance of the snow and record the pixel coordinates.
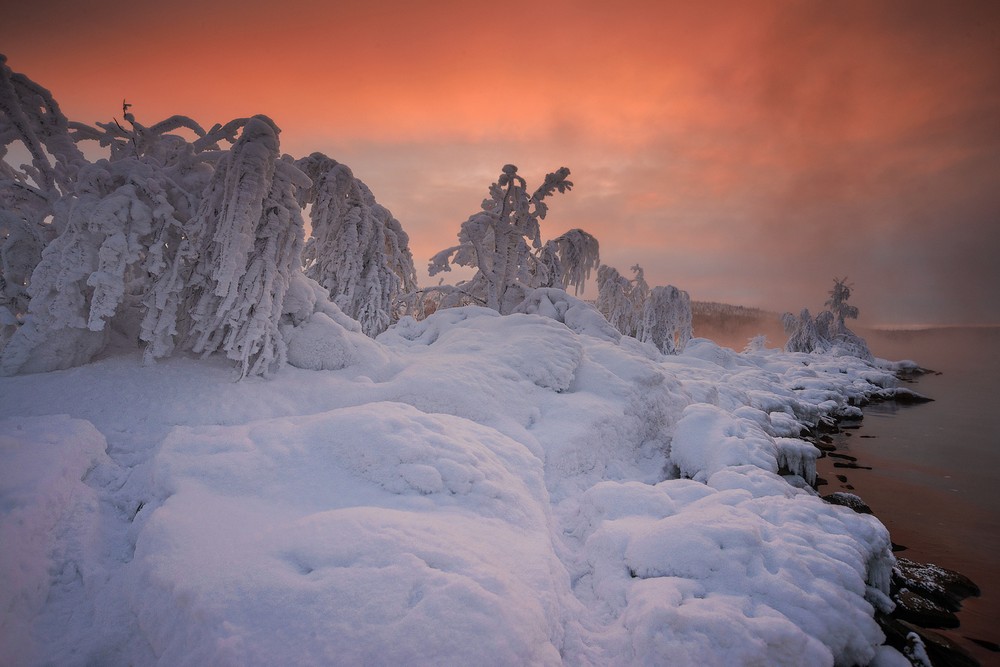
(467, 489)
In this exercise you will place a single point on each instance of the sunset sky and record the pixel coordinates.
(747, 152)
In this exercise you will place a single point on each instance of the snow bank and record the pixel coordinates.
(374, 534)
(470, 488)
(48, 522)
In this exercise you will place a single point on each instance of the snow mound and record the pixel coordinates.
(319, 336)
(578, 315)
(48, 520)
(534, 348)
(468, 488)
(692, 575)
(418, 531)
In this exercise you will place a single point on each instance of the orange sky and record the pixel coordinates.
(747, 152)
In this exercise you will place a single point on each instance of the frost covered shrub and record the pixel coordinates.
(358, 251)
(661, 316)
(827, 332)
(503, 243)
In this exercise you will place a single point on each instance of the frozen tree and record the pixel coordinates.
(567, 261)
(802, 333)
(249, 229)
(174, 242)
(503, 243)
(29, 114)
(358, 251)
(666, 319)
(661, 316)
(621, 300)
(112, 230)
(828, 332)
(31, 118)
(97, 268)
(837, 303)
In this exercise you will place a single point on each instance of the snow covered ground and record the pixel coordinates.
(468, 489)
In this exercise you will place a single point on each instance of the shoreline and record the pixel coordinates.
(929, 598)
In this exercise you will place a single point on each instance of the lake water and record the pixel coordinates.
(935, 478)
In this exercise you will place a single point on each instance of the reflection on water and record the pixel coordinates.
(936, 467)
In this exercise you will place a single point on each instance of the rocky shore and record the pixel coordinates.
(926, 596)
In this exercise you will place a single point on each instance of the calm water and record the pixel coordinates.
(935, 478)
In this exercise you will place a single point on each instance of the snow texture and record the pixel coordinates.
(469, 488)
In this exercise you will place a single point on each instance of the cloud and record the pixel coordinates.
(745, 151)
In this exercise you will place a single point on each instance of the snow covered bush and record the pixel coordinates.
(827, 332)
(503, 243)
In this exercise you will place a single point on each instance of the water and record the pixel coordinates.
(935, 478)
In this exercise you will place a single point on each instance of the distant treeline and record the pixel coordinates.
(727, 317)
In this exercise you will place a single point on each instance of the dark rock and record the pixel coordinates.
(845, 457)
(945, 587)
(850, 464)
(942, 651)
(842, 478)
(898, 547)
(903, 395)
(986, 644)
(848, 500)
(926, 613)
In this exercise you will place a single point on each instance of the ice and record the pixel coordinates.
(469, 488)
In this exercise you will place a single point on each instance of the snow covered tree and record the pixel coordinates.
(250, 230)
(30, 117)
(837, 303)
(621, 300)
(503, 243)
(661, 316)
(568, 260)
(666, 319)
(802, 333)
(358, 250)
(828, 332)
(96, 268)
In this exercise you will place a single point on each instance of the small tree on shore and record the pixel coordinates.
(828, 331)
(503, 243)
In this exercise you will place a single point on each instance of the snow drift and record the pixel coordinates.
(470, 488)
